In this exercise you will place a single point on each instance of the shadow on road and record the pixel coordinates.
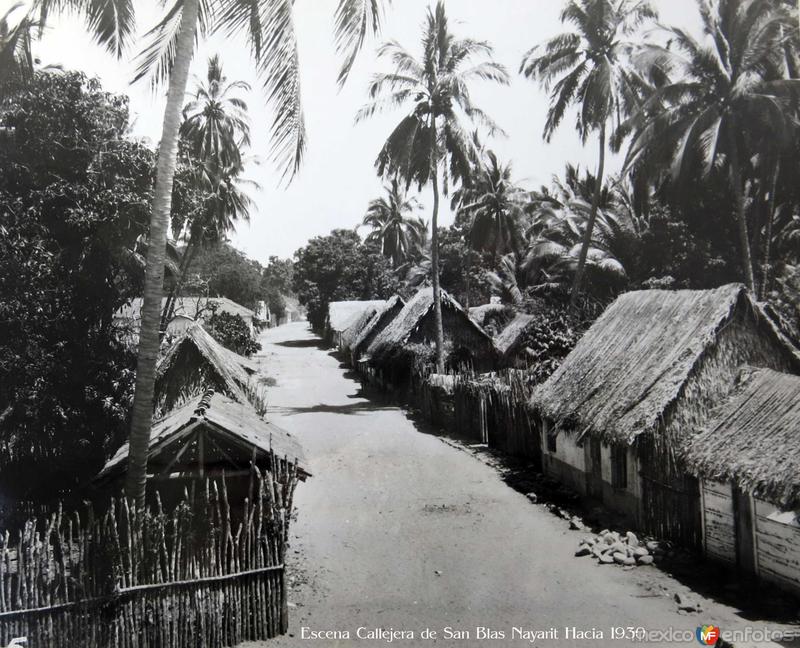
(303, 344)
(349, 409)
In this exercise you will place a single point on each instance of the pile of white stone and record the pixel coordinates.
(612, 547)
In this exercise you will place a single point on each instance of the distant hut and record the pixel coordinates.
(343, 314)
(196, 362)
(615, 414)
(491, 315)
(748, 461)
(374, 327)
(207, 435)
(411, 334)
(510, 342)
(351, 333)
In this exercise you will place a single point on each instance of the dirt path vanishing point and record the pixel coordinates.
(398, 530)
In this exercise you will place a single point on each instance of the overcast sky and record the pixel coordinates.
(337, 179)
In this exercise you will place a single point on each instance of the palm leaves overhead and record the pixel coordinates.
(590, 68)
(400, 235)
(216, 124)
(267, 27)
(723, 100)
(16, 59)
(494, 205)
(434, 90)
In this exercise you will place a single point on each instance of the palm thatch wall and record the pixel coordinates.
(753, 438)
(196, 362)
(412, 331)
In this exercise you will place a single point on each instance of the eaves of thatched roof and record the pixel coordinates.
(402, 327)
(753, 438)
(343, 314)
(237, 423)
(508, 339)
(632, 364)
(196, 353)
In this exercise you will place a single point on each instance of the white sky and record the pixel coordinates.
(337, 179)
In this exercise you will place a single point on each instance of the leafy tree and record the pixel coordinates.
(431, 140)
(231, 331)
(339, 267)
(399, 235)
(593, 71)
(276, 283)
(74, 198)
(722, 97)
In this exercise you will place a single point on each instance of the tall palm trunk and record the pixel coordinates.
(762, 290)
(741, 218)
(142, 417)
(437, 296)
(587, 234)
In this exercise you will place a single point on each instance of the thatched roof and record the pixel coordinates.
(480, 313)
(632, 364)
(195, 362)
(233, 431)
(342, 314)
(377, 322)
(350, 334)
(753, 438)
(195, 308)
(403, 326)
(509, 338)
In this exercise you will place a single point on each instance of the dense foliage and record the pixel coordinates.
(231, 331)
(74, 197)
(339, 267)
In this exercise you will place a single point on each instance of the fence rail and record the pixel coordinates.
(207, 573)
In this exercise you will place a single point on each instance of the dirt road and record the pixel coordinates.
(398, 530)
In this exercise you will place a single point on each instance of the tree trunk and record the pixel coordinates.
(762, 291)
(437, 296)
(142, 416)
(587, 235)
(172, 297)
(741, 217)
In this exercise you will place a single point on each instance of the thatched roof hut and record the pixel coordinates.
(196, 362)
(660, 358)
(510, 339)
(414, 324)
(485, 311)
(351, 333)
(375, 326)
(753, 438)
(343, 314)
(208, 434)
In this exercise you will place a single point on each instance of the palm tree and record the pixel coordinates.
(16, 59)
(215, 122)
(593, 71)
(495, 206)
(431, 139)
(400, 235)
(722, 95)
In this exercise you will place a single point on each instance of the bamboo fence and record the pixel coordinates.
(207, 573)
